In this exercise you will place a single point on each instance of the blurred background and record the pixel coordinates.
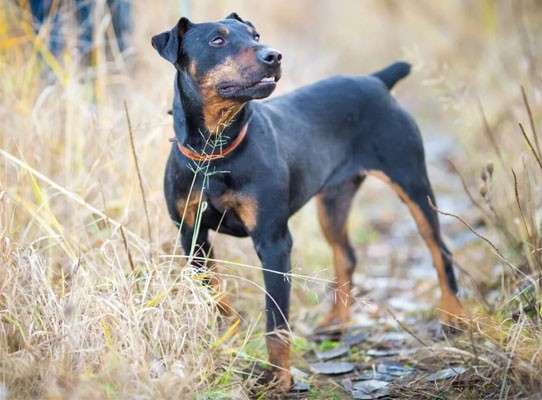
(77, 79)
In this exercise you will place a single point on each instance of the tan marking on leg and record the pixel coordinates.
(245, 207)
(278, 349)
(339, 314)
(452, 311)
(330, 232)
(187, 208)
(222, 297)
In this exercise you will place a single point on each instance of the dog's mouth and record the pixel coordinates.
(266, 84)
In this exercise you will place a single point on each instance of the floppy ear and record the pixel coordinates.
(167, 44)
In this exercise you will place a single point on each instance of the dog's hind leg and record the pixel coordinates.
(414, 189)
(333, 208)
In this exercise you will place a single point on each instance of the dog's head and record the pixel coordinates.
(225, 59)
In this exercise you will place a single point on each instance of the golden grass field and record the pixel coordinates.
(95, 301)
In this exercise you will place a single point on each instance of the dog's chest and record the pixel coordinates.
(231, 212)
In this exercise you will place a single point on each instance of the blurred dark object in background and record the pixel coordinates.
(48, 13)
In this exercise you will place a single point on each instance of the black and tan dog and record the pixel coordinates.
(254, 164)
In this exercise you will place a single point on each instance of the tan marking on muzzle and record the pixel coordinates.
(218, 111)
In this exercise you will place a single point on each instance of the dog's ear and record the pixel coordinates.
(167, 44)
(236, 16)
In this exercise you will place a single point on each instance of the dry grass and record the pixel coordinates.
(71, 333)
(91, 308)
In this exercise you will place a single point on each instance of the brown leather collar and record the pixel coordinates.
(222, 152)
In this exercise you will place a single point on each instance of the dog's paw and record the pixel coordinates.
(335, 323)
(454, 316)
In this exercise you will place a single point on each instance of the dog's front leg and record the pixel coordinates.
(201, 258)
(274, 252)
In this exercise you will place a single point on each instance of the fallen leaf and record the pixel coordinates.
(358, 395)
(300, 386)
(347, 384)
(393, 368)
(395, 337)
(371, 389)
(332, 368)
(338, 351)
(382, 353)
(353, 338)
(375, 375)
(446, 373)
(370, 386)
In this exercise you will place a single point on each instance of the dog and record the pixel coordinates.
(242, 167)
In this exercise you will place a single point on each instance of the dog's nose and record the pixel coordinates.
(270, 57)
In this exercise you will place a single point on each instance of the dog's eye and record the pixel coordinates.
(257, 37)
(218, 41)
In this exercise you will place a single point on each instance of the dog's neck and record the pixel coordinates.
(198, 127)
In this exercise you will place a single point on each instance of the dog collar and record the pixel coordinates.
(223, 152)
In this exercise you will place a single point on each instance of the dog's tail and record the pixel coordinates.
(392, 73)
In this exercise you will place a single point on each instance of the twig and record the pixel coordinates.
(470, 228)
(489, 133)
(139, 178)
(531, 120)
(464, 353)
(407, 330)
(125, 242)
(467, 191)
(516, 192)
(531, 146)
